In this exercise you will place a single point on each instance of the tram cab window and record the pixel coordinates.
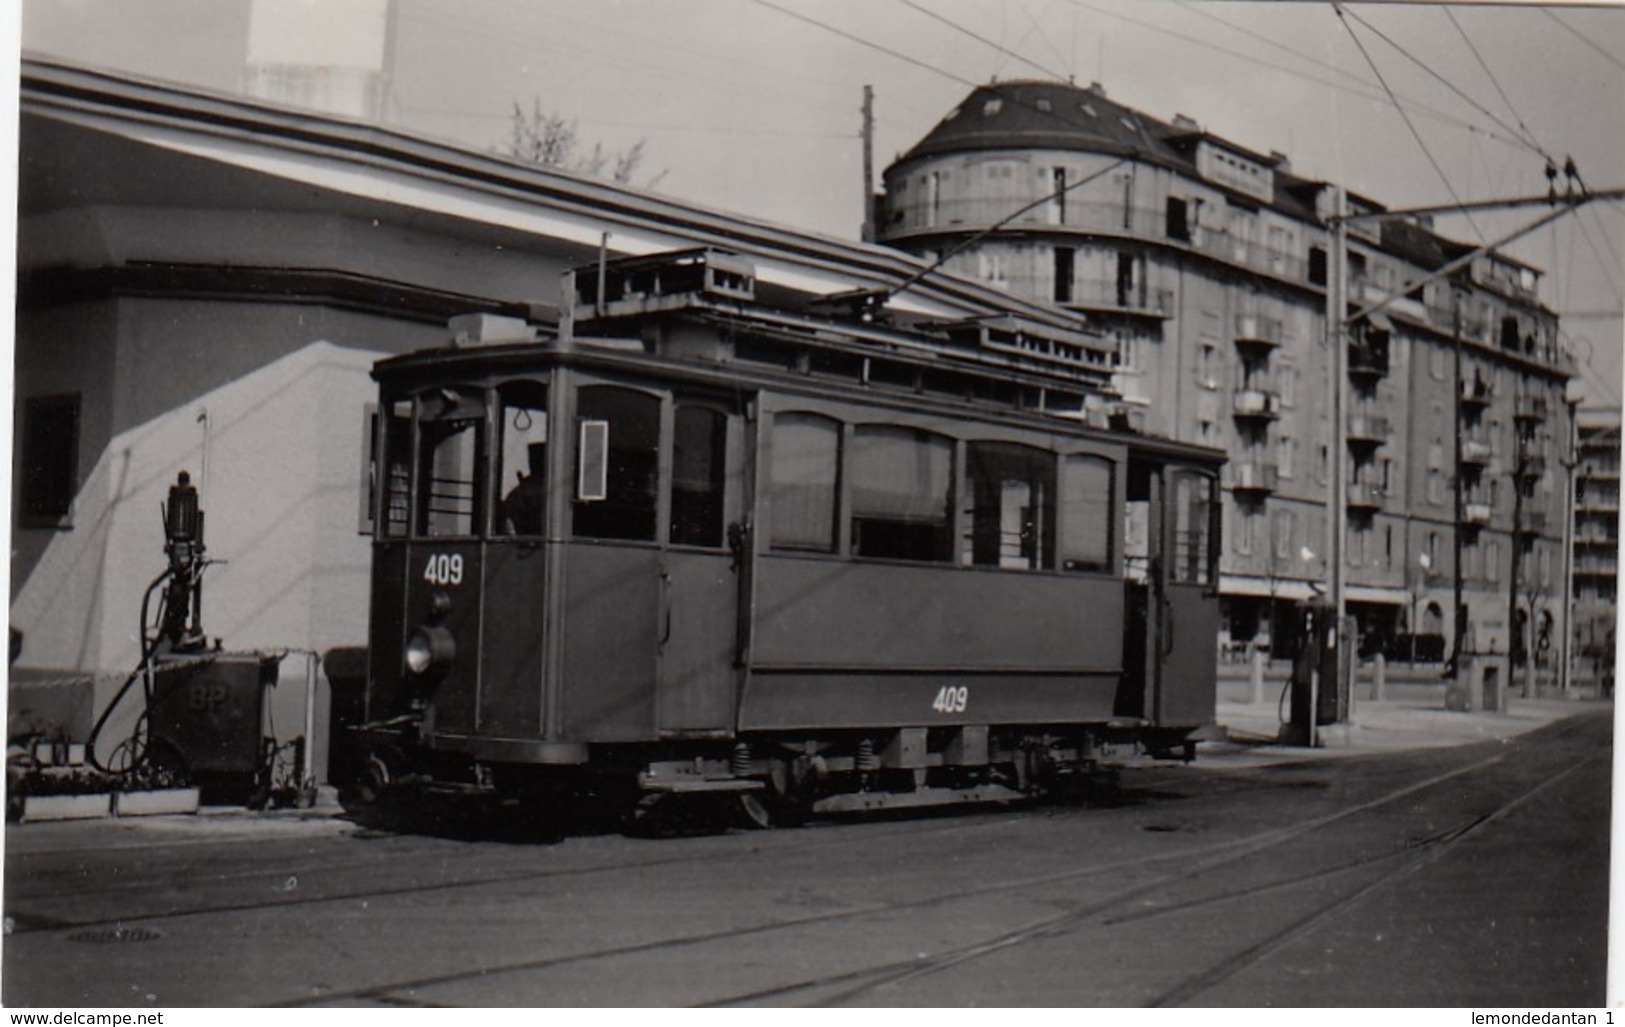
(522, 458)
(451, 452)
(1194, 535)
(397, 484)
(1011, 508)
(627, 510)
(699, 464)
(1088, 485)
(902, 494)
(803, 479)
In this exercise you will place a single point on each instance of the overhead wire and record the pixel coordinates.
(1585, 233)
(1420, 142)
(1387, 96)
(1582, 37)
(1527, 142)
(853, 37)
(1042, 34)
(979, 37)
(1496, 82)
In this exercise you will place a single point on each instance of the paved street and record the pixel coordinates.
(1467, 875)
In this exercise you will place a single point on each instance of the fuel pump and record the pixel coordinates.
(182, 621)
(1321, 672)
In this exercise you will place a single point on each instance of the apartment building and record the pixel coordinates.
(1207, 263)
(1596, 548)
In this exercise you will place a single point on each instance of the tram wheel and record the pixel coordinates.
(375, 781)
(752, 812)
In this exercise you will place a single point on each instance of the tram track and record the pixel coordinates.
(1123, 880)
(867, 979)
(1411, 858)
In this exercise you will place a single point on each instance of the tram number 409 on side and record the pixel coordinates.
(951, 699)
(444, 569)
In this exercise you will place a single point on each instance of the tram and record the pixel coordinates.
(821, 560)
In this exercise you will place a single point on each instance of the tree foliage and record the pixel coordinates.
(549, 138)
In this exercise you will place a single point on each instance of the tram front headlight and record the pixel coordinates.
(429, 650)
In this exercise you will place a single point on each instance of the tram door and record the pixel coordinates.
(1178, 615)
(701, 568)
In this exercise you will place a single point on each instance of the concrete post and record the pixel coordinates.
(1257, 675)
(1379, 677)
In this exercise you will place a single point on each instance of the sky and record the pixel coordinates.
(753, 106)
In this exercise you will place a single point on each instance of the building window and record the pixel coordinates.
(1012, 507)
(1064, 265)
(902, 493)
(1207, 367)
(1246, 528)
(1317, 265)
(804, 477)
(1179, 226)
(1285, 528)
(991, 266)
(50, 460)
(1125, 279)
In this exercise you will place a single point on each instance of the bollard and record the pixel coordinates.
(1379, 677)
(1257, 675)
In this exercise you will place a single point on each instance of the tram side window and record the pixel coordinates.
(805, 476)
(627, 510)
(699, 462)
(902, 494)
(522, 452)
(1012, 507)
(1088, 484)
(1193, 541)
(450, 456)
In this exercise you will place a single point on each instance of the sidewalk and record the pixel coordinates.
(1409, 716)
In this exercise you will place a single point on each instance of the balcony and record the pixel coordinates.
(1474, 514)
(1368, 430)
(1257, 404)
(1529, 408)
(1476, 452)
(1531, 465)
(1597, 566)
(1255, 477)
(1263, 333)
(1475, 397)
(1368, 363)
(1595, 535)
(1365, 498)
(1101, 294)
(1532, 521)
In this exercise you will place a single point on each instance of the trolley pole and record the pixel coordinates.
(868, 164)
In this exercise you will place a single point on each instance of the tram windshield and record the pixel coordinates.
(521, 471)
(450, 454)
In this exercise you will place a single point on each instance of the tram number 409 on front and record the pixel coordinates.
(951, 699)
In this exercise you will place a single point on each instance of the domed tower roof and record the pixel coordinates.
(1042, 115)
(1047, 115)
